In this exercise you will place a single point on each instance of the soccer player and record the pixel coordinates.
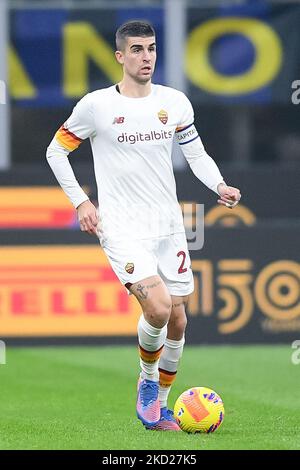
(139, 223)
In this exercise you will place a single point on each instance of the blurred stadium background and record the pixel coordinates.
(238, 61)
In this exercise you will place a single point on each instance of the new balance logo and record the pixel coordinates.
(119, 120)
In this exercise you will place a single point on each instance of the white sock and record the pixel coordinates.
(151, 341)
(163, 394)
(169, 361)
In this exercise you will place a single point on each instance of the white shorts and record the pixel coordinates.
(167, 257)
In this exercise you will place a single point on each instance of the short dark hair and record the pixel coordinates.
(131, 29)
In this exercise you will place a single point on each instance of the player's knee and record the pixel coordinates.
(159, 313)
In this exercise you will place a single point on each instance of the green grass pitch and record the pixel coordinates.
(84, 398)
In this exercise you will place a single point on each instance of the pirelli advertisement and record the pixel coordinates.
(62, 290)
(243, 291)
(58, 283)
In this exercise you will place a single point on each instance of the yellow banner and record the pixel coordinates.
(62, 291)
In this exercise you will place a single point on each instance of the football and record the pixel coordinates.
(199, 409)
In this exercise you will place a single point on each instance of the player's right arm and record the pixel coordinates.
(79, 126)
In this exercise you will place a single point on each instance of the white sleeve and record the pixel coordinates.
(202, 165)
(57, 157)
(79, 126)
(186, 112)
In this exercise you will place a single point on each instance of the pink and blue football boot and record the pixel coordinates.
(166, 422)
(148, 406)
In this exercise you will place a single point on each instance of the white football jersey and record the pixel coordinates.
(131, 141)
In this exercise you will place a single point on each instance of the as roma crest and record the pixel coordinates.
(129, 268)
(163, 116)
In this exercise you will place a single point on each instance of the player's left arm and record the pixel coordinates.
(202, 165)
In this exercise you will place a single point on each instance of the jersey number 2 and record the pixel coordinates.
(181, 269)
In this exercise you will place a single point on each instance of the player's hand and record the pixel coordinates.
(87, 217)
(229, 196)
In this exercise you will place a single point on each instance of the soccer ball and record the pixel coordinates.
(199, 409)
